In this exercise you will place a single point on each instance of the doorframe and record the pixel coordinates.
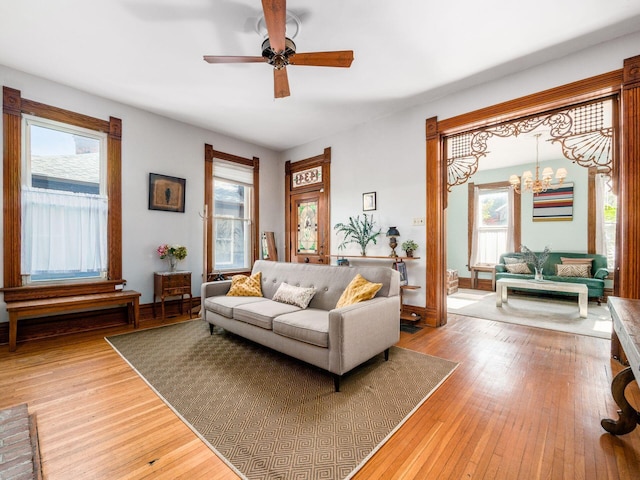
(324, 186)
(624, 83)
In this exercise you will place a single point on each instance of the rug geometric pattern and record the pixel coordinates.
(270, 416)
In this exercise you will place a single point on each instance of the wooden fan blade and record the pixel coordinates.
(232, 59)
(275, 16)
(280, 83)
(341, 58)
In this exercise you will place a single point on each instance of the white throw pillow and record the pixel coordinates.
(293, 295)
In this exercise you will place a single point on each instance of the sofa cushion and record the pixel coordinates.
(243, 286)
(358, 290)
(224, 305)
(568, 260)
(512, 260)
(573, 270)
(261, 314)
(298, 296)
(309, 326)
(518, 268)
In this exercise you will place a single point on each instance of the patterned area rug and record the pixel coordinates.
(270, 416)
(552, 313)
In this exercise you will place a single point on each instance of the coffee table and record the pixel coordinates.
(503, 284)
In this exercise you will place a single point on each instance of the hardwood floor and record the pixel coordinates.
(524, 403)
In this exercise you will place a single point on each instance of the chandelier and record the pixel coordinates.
(537, 184)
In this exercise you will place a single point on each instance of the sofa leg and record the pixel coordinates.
(386, 355)
(336, 382)
(211, 328)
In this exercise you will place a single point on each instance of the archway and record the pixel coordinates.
(624, 84)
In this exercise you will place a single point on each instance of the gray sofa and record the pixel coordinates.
(334, 339)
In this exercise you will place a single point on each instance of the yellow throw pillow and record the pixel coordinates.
(358, 290)
(243, 286)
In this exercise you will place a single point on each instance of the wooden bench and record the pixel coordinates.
(44, 306)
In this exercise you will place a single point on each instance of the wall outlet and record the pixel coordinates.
(417, 221)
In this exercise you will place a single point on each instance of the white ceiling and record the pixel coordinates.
(148, 53)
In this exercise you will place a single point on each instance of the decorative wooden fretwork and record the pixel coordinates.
(584, 132)
(307, 177)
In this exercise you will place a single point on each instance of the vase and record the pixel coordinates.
(173, 263)
(538, 276)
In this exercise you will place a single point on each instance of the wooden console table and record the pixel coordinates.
(626, 324)
(168, 284)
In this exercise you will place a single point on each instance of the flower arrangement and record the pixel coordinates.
(536, 260)
(176, 251)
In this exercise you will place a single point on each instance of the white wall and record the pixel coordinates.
(151, 143)
(387, 155)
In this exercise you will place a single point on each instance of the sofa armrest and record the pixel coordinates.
(360, 331)
(601, 273)
(500, 268)
(213, 289)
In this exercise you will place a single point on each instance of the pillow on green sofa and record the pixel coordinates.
(573, 270)
(574, 261)
(517, 268)
(512, 260)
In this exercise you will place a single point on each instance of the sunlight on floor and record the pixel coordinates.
(464, 298)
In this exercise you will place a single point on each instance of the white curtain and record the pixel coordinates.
(473, 260)
(601, 238)
(510, 246)
(63, 232)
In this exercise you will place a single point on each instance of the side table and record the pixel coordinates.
(167, 284)
(483, 267)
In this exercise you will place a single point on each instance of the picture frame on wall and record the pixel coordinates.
(166, 193)
(554, 205)
(368, 201)
(402, 270)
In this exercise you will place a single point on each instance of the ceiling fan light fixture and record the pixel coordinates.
(293, 26)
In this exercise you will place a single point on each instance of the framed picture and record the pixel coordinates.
(402, 269)
(166, 193)
(554, 205)
(369, 201)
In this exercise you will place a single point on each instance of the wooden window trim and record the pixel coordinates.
(517, 215)
(14, 106)
(209, 155)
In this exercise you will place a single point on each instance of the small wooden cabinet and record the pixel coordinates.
(170, 284)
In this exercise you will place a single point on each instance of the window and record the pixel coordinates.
(494, 224)
(64, 202)
(33, 166)
(231, 196)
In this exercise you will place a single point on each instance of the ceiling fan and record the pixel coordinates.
(280, 51)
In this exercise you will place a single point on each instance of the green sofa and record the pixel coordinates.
(595, 283)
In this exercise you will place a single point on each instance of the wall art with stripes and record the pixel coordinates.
(556, 204)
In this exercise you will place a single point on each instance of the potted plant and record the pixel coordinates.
(537, 260)
(409, 247)
(358, 231)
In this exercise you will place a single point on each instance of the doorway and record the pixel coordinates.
(307, 228)
(623, 83)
